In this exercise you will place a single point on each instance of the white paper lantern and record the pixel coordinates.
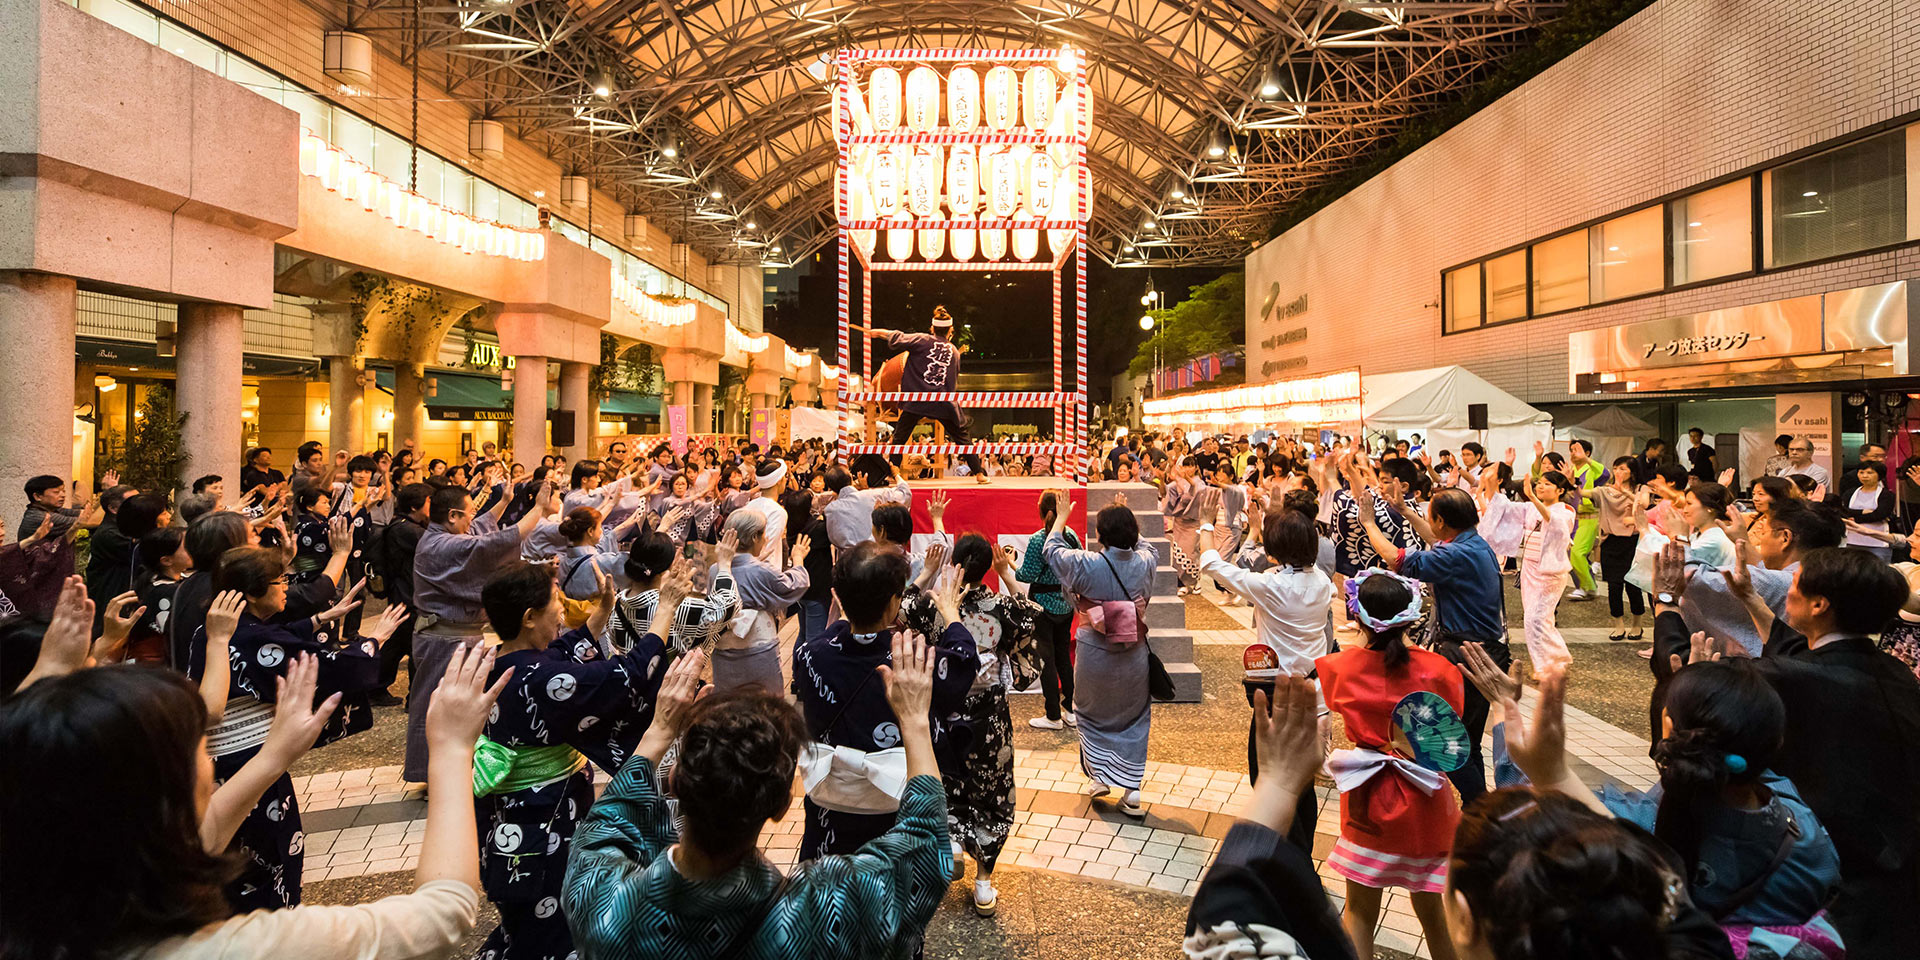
(1039, 91)
(923, 99)
(923, 181)
(1004, 177)
(883, 99)
(884, 186)
(963, 182)
(900, 240)
(1026, 243)
(1066, 206)
(963, 100)
(1001, 99)
(993, 244)
(1040, 184)
(963, 241)
(932, 243)
(1062, 125)
(860, 197)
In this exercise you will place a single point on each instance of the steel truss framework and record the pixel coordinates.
(1209, 115)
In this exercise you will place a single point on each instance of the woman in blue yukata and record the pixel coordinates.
(852, 793)
(270, 840)
(641, 885)
(566, 705)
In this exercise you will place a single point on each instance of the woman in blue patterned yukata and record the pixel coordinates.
(270, 840)
(640, 885)
(565, 706)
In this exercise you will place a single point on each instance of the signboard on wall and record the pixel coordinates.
(761, 430)
(677, 429)
(1809, 416)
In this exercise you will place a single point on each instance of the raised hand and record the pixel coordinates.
(937, 505)
(116, 623)
(946, 593)
(65, 646)
(1670, 574)
(1539, 745)
(728, 546)
(1486, 677)
(40, 532)
(457, 711)
(802, 545)
(223, 618)
(340, 534)
(345, 605)
(1286, 733)
(909, 678)
(679, 691)
(390, 620)
(1739, 578)
(297, 721)
(1726, 477)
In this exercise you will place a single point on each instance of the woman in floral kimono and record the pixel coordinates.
(979, 782)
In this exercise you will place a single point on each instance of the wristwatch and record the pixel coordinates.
(1666, 598)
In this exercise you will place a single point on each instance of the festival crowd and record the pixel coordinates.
(617, 670)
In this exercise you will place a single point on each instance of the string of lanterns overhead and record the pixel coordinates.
(355, 182)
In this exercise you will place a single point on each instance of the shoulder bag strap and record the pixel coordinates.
(844, 704)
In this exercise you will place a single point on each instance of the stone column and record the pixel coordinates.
(346, 406)
(679, 394)
(575, 396)
(211, 347)
(409, 406)
(701, 420)
(529, 410)
(36, 349)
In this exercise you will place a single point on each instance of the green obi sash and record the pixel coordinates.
(498, 768)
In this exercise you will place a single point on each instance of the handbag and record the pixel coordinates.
(1159, 681)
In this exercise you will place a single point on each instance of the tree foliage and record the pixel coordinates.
(153, 457)
(1212, 318)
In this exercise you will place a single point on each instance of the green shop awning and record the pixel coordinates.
(463, 396)
(459, 396)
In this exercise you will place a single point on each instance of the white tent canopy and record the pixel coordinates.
(1611, 431)
(1433, 403)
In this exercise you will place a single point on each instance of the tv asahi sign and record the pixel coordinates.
(1272, 309)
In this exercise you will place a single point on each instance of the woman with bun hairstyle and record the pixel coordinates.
(1396, 817)
(1546, 565)
(698, 619)
(590, 545)
(643, 882)
(1744, 846)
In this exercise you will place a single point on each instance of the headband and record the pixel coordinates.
(1359, 613)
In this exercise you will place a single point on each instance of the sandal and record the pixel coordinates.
(1617, 636)
(1637, 636)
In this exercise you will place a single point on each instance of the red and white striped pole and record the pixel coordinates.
(1080, 278)
(843, 123)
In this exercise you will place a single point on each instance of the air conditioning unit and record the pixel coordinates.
(347, 57)
(486, 139)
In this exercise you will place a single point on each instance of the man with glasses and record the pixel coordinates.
(454, 559)
(1800, 461)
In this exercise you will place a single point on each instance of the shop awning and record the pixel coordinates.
(459, 396)
(626, 403)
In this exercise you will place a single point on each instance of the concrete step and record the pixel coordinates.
(1172, 646)
(1167, 612)
(1186, 681)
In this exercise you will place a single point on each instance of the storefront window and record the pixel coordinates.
(1560, 273)
(1507, 287)
(1627, 255)
(1849, 199)
(1463, 298)
(1713, 233)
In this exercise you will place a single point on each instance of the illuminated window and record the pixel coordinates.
(1713, 233)
(1847, 199)
(1507, 287)
(1462, 298)
(1628, 255)
(1560, 273)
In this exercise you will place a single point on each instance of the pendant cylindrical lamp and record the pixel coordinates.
(486, 139)
(573, 190)
(347, 56)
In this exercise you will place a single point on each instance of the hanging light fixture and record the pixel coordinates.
(1217, 145)
(602, 82)
(1270, 82)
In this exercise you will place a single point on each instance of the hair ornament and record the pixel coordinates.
(1736, 763)
(1404, 617)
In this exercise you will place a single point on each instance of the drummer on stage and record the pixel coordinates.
(933, 366)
